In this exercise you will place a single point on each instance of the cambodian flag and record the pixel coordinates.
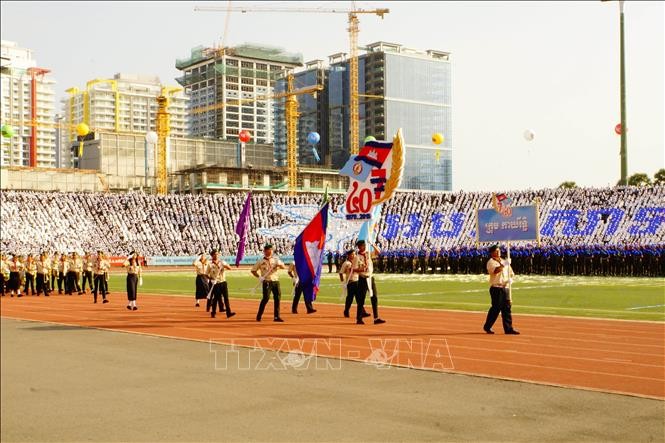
(309, 251)
(241, 228)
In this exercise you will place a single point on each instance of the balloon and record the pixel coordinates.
(7, 131)
(529, 135)
(617, 129)
(437, 138)
(316, 154)
(370, 138)
(244, 136)
(82, 129)
(313, 138)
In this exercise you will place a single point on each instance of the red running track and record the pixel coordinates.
(626, 357)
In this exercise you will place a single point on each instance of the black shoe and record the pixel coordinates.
(208, 309)
(311, 311)
(488, 330)
(346, 314)
(197, 304)
(279, 320)
(222, 309)
(258, 318)
(135, 308)
(360, 321)
(105, 301)
(129, 307)
(513, 332)
(95, 301)
(230, 314)
(45, 295)
(366, 314)
(378, 321)
(212, 314)
(293, 311)
(20, 295)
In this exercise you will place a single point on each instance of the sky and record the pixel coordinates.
(548, 67)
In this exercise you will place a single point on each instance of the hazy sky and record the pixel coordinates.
(552, 67)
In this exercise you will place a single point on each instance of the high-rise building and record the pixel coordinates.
(26, 94)
(398, 88)
(218, 76)
(124, 104)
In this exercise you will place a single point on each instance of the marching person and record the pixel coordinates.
(349, 277)
(88, 266)
(15, 269)
(297, 291)
(269, 280)
(500, 274)
(202, 288)
(75, 267)
(102, 266)
(55, 261)
(30, 272)
(63, 271)
(133, 276)
(43, 271)
(366, 278)
(217, 275)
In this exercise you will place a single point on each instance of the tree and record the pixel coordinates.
(659, 177)
(568, 185)
(639, 179)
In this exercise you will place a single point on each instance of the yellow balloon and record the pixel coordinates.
(437, 138)
(82, 129)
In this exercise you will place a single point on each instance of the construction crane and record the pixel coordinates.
(163, 126)
(291, 117)
(353, 40)
(34, 72)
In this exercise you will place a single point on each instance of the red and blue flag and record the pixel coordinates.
(309, 251)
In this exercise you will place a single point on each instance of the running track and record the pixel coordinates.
(616, 356)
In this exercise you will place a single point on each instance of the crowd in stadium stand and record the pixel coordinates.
(585, 231)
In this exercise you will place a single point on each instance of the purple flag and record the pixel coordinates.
(241, 228)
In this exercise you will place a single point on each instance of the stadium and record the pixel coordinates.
(152, 276)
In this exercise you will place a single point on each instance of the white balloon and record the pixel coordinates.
(529, 135)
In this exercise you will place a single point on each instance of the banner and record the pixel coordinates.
(375, 173)
(188, 260)
(515, 223)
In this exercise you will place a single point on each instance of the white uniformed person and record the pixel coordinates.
(217, 274)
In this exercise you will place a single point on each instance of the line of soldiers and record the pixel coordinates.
(39, 275)
(629, 261)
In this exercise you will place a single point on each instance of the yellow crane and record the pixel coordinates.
(163, 128)
(353, 40)
(291, 117)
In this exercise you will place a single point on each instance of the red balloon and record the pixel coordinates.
(617, 129)
(244, 136)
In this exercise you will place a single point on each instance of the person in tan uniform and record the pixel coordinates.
(102, 265)
(15, 269)
(366, 281)
(500, 275)
(30, 274)
(133, 277)
(269, 280)
(202, 288)
(43, 272)
(217, 277)
(348, 275)
(88, 266)
(74, 274)
(4, 272)
(63, 271)
(297, 291)
(55, 261)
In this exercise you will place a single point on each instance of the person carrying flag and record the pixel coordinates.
(218, 286)
(297, 291)
(366, 281)
(349, 278)
(269, 280)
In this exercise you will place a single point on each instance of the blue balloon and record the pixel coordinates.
(313, 138)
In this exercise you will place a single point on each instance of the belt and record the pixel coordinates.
(502, 287)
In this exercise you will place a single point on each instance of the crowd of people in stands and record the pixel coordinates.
(584, 231)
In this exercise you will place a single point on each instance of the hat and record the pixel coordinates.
(493, 248)
(360, 242)
(267, 246)
(350, 251)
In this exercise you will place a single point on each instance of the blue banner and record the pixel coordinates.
(520, 223)
(188, 260)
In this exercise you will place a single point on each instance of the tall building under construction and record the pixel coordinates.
(241, 78)
(398, 88)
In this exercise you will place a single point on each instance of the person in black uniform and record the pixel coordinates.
(133, 276)
(500, 274)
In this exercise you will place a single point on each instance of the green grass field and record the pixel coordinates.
(600, 297)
